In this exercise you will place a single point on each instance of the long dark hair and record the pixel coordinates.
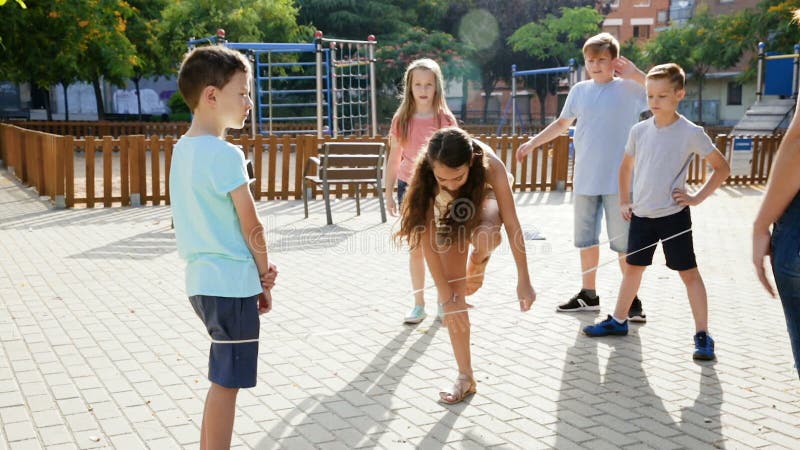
(452, 147)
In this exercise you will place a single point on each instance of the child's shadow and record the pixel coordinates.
(379, 376)
(621, 407)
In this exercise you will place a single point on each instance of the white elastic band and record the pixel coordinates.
(243, 341)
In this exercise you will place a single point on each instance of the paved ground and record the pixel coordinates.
(100, 348)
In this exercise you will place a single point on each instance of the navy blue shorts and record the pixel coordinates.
(679, 251)
(227, 319)
(402, 186)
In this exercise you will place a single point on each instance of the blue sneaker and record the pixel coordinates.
(608, 327)
(416, 315)
(703, 347)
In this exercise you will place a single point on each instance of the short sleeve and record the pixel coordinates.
(229, 170)
(700, 143)
(569, 111)
(630, 147)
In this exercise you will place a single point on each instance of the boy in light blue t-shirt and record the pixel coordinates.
(657, 159)
(606, 107)
(218, 232)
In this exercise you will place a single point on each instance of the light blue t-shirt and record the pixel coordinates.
(204, 170)
(662, 157)
(605, 112)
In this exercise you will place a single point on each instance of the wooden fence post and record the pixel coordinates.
(560, 162)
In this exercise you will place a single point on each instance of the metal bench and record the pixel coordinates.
(338, 163)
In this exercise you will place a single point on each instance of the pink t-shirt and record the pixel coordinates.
(419, 131)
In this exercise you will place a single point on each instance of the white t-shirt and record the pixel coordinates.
(605, 112)
(662, 161)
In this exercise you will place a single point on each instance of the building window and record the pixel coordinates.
(614, 31)
(734, 93)
(661, 16)
(641, 31)
(641, 3)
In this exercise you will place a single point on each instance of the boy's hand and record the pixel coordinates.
(526, 296)
(682, 198)
(391, 205)
(523, 150)
(625, 68)
(626, 209)
(264, 302)
(268, 279)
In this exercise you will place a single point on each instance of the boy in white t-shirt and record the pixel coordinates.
(657, 157)
(606, 107)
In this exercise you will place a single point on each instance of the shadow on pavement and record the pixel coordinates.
(620, 406)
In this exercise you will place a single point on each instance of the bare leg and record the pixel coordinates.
(458, 325)
(416, 267)
(485, 239)
(631, 280)
(698, 299)
(590, 258)
(218, 418)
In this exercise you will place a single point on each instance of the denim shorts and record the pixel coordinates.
(230, 365)
(646, 232)
(588, 215)
(786, 268)
(402, 186)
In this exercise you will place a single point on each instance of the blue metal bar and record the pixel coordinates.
(273, 47)
(288, 105)
(288, 64)
(522, 73)
(294, 77)
(287, 91)
(289, 119)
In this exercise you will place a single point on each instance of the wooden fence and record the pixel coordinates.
(134, 169)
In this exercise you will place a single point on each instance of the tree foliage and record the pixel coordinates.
(243, 21)
(558, 37)
(697, 47)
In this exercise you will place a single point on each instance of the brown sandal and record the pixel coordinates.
(463, 388)
(475, 273)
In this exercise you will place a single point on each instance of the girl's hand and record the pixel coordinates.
(761, 250)
(456, 318)
(391, 205)
(526, 296)
(682, 198)
(264, 302)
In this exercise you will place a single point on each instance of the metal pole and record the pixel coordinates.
(760, 73)
(572, 72)
(513, 100)
(333, 87)
(253, 67)
(373, 108)
(318, 42)
(796, 75)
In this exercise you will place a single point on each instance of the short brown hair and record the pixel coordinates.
(212, 65)
(601, 42)
(670, 71)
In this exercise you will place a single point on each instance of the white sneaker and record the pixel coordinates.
(416, 315)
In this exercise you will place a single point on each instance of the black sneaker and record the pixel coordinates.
(580, 302)
(635, 313)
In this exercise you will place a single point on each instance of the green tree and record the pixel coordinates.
(150, 59)
(553, 42)
(356, 19)
(697, 47)
(243, 21)
(416, 43)
(486, 25)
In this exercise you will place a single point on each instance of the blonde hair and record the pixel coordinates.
(670, 72)
(796, 15)
(407, 105)
(601, 42)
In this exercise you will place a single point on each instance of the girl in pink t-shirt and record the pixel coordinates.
(423, 110)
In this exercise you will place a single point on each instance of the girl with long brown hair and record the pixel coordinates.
(458, 198)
